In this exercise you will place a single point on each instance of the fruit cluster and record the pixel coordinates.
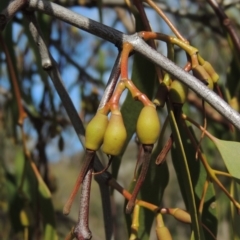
(112, 133)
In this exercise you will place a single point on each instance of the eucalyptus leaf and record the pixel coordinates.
(199, 177)
(230, 152)
(179, 158)
(235, 217)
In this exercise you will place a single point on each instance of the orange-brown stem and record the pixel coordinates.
(147, 157)
(147, 27)
(201, 204)
(136, 94)
(106, 168)
(113, 103)
(114, 184)
(188, 66)
(127, 48)
(165, 18)
(148, 35)
(13, 75)
(169, 39)
(162, 155)
(89, 157)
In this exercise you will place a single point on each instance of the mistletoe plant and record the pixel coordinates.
(158, 91)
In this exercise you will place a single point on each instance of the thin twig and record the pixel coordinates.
(112, 81)
(227, 23)
(147, 157)
(88, 160)
(211, 172)
(147, 27)
(162, 155)
(210, 112)
(76, 65)
(166, 19)
(14, 82)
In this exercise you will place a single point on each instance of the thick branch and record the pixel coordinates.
(77, 20)
(116, 37)
(10, 11)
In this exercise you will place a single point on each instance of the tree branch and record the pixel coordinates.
(8, 13)
(118, 38)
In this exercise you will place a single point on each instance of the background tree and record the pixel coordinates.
(50, 67)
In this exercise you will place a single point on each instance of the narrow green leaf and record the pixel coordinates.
(46, 208)
(235, 217)
(198, 177)
(36, 191)
(183, 173)
(152, 191)
(230, 152)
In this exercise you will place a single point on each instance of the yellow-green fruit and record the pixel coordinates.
(178, 92)
(95, 131)
(148, 125)
(210, 70)
(200, 73)
(24, 218)
(234, 104)
(163, 233)
(210, 84)
(115, 135)
(181, 215)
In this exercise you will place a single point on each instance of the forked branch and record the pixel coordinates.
(118, 38)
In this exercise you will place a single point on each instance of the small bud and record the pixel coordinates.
(200, 73)
(210, 70)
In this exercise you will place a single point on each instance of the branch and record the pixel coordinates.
(8, 13)
(226, 22)
(118, 38)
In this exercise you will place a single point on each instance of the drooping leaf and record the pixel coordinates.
(198, 177)
(34, 192)
(180, 162)
(235, 217)
(230, 152)
(152, 191)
